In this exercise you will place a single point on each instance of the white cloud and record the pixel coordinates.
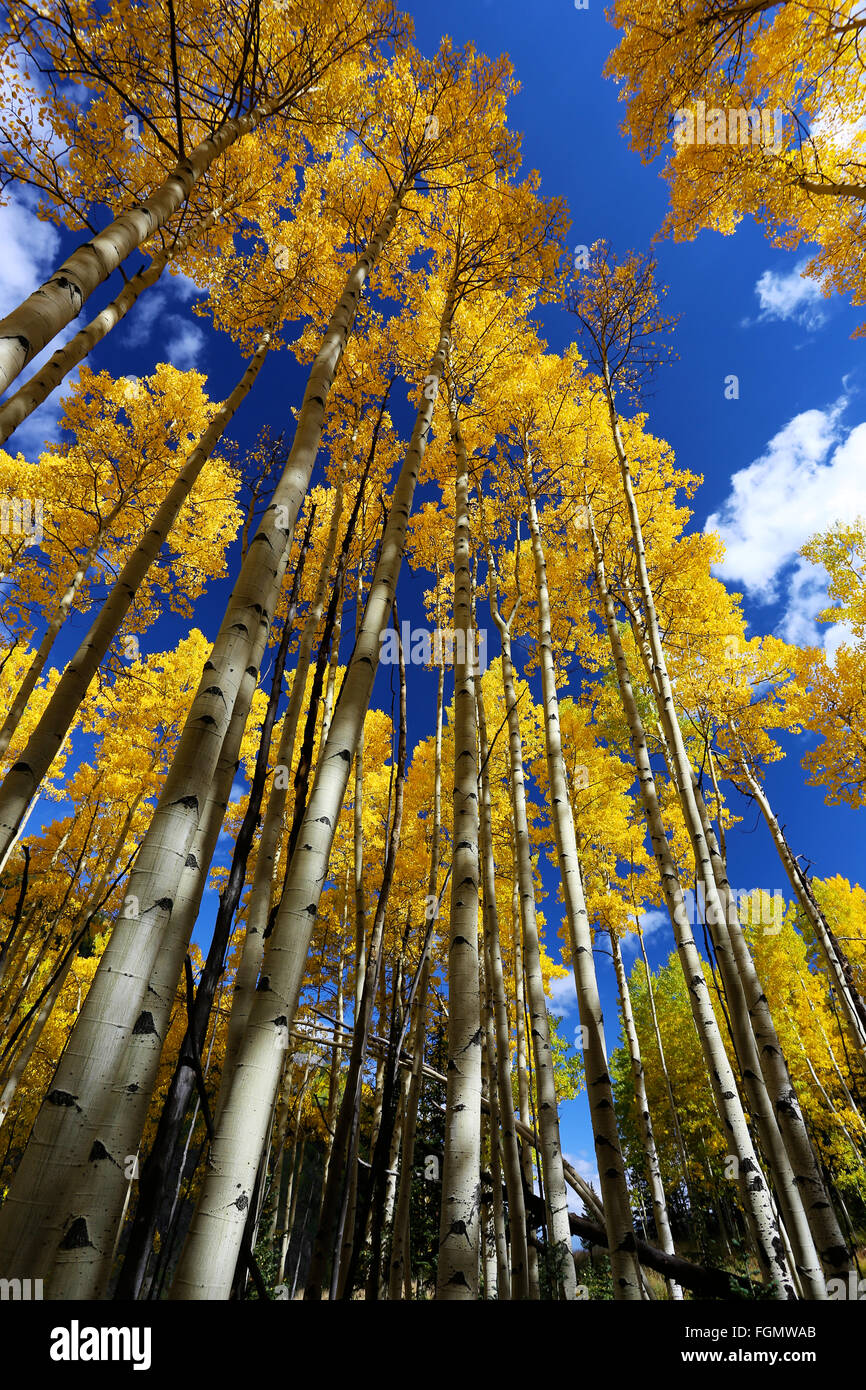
(812, 474)
(788, 295)
(185, 348)
(563, 996)
(652, 922)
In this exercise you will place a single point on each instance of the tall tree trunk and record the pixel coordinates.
(259, 904)
(548, 1118)
(399, 1273)
(753, 1189)
(611, 1168)
(852, 1004)
(40, 386)
(807, 1213)
(459, 1229)
(161, 1161)
(214, 1240)
(660, 1207)
(494, 977)
(82, 1265)
(39, 318)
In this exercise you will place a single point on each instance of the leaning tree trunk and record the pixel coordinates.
(771, 1098)
(161, 1167)
(24, 779)
(660, 1206)
(611, 1168)
(45, 312)
(459, 1228)
(847, 995)
(753, 1189)
(40, 386)
(214, 1240)
(271, 833)
(83, 1262)
(114, 1001)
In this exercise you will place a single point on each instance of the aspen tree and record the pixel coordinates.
(459, 1228)
(400, 1271)
(753, 1190)
(23, 780)
(548, 1124)
(660, 1210)
(212, 1245)
(500, 1031)
(323, 41)
(610, 1166)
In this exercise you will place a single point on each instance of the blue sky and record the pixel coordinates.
(783, 460)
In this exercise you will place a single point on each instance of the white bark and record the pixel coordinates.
(211, 1250)
(459, 1228)
(611, 1168)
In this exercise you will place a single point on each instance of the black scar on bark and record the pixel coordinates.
(191, 861)
(164, 904)
(189, 803)
(61, 1098)
(21, 767)
(215, 690)
(99, 1152)
(240, 1202)
(280, 1022)
(263, 984)
(144, 1024)
(77, 1237)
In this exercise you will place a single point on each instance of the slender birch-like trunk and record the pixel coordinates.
(45, 312)
(660, 1207)
(753, 1189)
(40, 386)
(459, 1229)
(810, 908)
(495, 980)
(272, 827)
(611, 1168)
(806, 1209)
(214, 1240)
(399, 1270)
(159, 1170)
(83, 1262)
(548, 1117)
(524, 1125)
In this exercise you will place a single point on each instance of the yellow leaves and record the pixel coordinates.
(748, 69)
(834, 705)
